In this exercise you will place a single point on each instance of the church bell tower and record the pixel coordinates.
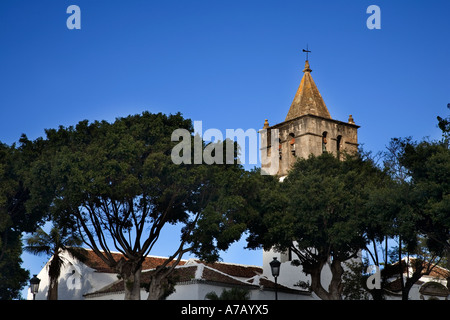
(309, 128)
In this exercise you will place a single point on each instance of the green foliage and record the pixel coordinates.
(320, 204)
(231, 294)
(319, 212)
(354, 279)
(17, 215)
(444, 125)
(117, 181)
(419, 202)
(413, 208)
(224, 211)
(428, 164)
(12, 276)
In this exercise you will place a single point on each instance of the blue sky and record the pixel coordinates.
(230, 64)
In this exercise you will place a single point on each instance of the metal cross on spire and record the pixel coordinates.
(307, 51)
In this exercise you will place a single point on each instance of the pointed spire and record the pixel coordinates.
(307, 100)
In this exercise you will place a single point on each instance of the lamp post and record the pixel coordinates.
(275, 266)
(34, 285)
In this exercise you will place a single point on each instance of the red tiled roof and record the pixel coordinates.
(436, 272)
(235, 270)
(95, 262)
(213, 275)
(151, 262)
(181, 275)
(440, 272)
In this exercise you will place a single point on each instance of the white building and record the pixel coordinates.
(94, 280)
(433, 286)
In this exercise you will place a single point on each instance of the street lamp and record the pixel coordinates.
(34, 285)
(275, 266)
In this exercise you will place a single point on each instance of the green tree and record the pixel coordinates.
(118, 182)
(444, 125)
(414, 208)
(17, 214)
(319, 213)
(390, 217)
(428, 165)
(52, 244)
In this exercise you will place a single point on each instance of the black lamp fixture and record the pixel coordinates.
(275, 267)
(34, 285)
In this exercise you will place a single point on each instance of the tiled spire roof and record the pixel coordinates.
(307, 100)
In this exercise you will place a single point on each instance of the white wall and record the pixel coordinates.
(291, 275)
(75, 280)
(198, 291)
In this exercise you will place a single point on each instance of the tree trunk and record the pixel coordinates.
(53, 289)
(314, 270)
(159, 286)
(402, 282)
(131, 275)
(335, 288)
(132, 285)
(54, 270)
(156, 287)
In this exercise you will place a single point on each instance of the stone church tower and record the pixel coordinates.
(309, 128)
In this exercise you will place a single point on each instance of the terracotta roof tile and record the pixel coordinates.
(236, 270)
(437, 271)
(95, 262)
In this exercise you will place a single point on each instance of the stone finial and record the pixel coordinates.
(266, 124)
(350, 119)
(307, 68)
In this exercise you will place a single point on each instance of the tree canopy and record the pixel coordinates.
(319, 213)
(117, 181)
(17, 214)
(116, 186)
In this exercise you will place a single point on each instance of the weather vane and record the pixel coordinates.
(307, 51)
